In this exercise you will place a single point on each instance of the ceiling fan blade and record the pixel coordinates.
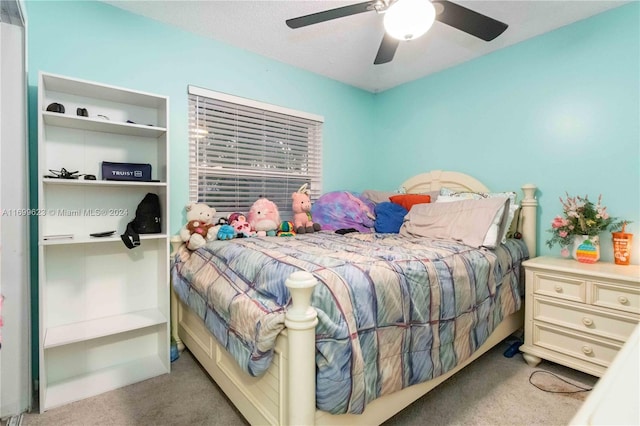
(327, 15)
(469, 21)
(387, 49)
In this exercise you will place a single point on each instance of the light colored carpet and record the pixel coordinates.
(493, 390)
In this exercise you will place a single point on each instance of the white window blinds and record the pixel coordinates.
(241, 150)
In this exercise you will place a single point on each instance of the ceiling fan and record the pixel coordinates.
(409, 19)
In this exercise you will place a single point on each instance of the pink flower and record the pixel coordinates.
(563, 234)
(558, 222)
(564, 252)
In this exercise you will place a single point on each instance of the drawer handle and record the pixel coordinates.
(587, 321)
(623, 300)
(587, 350)
(558, 289)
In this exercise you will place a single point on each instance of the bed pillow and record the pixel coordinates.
(465, 221)
(378, 196)
(389, 217)
(409, 200)
(495, 234)
(447, 194)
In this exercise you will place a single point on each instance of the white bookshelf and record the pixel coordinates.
(104, 309)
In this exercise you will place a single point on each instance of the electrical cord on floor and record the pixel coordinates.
(580, 388)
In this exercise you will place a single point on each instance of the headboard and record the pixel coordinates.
(436, 179)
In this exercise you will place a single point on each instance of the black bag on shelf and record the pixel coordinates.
(148, 220)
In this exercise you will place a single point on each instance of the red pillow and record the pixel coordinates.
(409, 200)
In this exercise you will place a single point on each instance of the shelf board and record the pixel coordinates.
(81, 182)
(100, 381)
(97, 240)
(84, 88)
(101, 327)
(99, 125)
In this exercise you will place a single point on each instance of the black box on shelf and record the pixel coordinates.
(126, 171)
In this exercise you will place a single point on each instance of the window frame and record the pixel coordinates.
(213, 115)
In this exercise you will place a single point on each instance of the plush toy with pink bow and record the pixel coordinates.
(301, 206)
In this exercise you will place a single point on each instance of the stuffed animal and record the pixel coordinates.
(286, 230)
(226, 232)
(242, 227)
(264, 217)
(233, 217)
(216, 228)
(301, 206)
(199, 228)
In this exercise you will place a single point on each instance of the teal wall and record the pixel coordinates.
(561, 110)
(95, 41)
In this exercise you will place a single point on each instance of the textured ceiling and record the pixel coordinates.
(344, 49)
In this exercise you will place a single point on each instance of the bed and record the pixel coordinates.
(273, 379)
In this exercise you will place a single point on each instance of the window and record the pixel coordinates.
(241, 150)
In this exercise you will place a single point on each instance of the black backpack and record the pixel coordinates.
(148, 220)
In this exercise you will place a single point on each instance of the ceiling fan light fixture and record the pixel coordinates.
(409, 19)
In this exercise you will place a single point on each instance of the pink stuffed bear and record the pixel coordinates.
(301, 207)
(264, 217)
(242, 227)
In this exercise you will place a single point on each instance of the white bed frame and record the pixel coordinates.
(285, 394)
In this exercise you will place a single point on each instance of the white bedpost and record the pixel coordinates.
(176, 242)
(300, 320)
(529, 217)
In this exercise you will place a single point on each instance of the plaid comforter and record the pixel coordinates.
(393, 311)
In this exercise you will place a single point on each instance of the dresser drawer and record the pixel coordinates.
(560, 287)
(616, 297)
(609, 325)
(575, 344)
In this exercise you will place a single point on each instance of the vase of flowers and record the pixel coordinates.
(580, 226)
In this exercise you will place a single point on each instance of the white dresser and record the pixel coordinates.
(578, 314)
